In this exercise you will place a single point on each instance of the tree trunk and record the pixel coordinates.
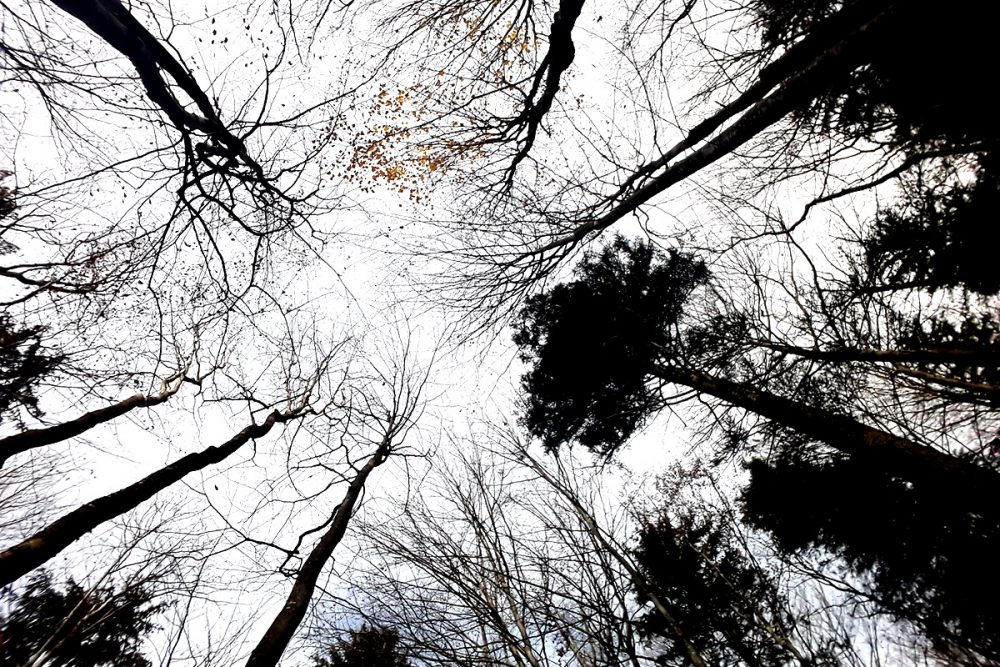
(115, 24)
(801, 87)
(955, 356)
(40, 437)
(897, 455)
(274, 642)
(22, 558)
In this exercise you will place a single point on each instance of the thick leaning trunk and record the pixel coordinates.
(895, 454)
(274, 642)
(114, 23)
(557, 60)
(40, 437)
(22, 558)
(797, 90)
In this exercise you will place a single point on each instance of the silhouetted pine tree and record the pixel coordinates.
(77, 627)
(366, 647)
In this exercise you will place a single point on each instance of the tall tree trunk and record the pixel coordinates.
(22, 558)
(800, 87)
(963, 356)
(895, 454)
(40, 437)
(274, 642)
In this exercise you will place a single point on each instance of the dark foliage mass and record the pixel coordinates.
(23, 365)
(918, 88)
(976, 336)
(931, 557)
(729, 609)
(366, 647)
(926, 547)
(591, 343)
(927, 552)
(76, 626)
(938, 238)
(921, 83)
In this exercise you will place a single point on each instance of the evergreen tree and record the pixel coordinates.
(727, 607)
(366, 647)
(22, 366)
(929, 556)
(936, 237)
(918, 519)
(591, 342)
(917, 81)
(77, 627)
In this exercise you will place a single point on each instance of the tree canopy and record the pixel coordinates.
(916, 519)
(260, 269)
(592, 342)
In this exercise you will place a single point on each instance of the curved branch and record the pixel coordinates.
(114, 24)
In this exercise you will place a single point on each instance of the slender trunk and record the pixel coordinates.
(893, 453)
(963, 357)
(274, 642)
(22, 558)
(988, 393)
(40, 437)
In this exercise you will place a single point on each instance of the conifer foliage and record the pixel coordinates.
(367, 646)
(727, 606)
(591, 342)
(76, 626)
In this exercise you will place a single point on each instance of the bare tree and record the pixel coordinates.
(169, 200)
(387, 413)
(506, 558)
(29, 439)
(495, 569)
(46, 543)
